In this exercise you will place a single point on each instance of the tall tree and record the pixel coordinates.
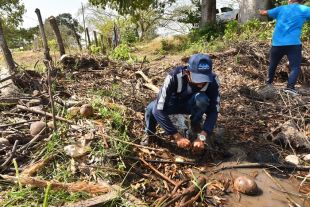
(249, 9)
(72, 24)
(208, 12)
(129, 7)
(12, 11)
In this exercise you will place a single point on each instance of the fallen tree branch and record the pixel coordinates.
(55, 185)
(149, 84)
(157, 172)
(43, 113)
(34, 139)
(18, 123)
(7, 78)
(34, 168)
(4, 165)
(265, 165)
(133, 144)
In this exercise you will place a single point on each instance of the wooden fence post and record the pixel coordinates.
(95, 37)
(88, 38)
(55, 28)
(6, 52)
(47, 55)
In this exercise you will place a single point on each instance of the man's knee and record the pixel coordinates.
(202, 101)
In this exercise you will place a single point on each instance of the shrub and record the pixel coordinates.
(121, 52)
(208, 32)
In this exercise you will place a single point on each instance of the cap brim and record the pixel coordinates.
(200, 78)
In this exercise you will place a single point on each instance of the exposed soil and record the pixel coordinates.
(249, 124)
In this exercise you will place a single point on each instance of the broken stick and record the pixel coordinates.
(157, 172)
(149, 84)
(42, 113)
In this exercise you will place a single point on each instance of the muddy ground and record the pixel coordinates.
(254, 126)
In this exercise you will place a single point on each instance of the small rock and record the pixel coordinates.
(245, 184)
(307, 158)
(86, 110)
(73, 111)
(292, 159)
(36, 127)
(4, 142)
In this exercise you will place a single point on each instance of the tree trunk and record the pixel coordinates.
(46, 49)
(249, 9)
(208, 12)
(77, 38)
(55, 28)
(88, 38)
(95, 37)
(6, 52)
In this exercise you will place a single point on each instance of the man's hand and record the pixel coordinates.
(198, 145)
(263, 12)
(181, 141)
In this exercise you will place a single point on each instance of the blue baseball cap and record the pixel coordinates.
(200, 66)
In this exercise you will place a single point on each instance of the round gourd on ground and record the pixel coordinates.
(86, 110)
(245, 184)
(36, 127)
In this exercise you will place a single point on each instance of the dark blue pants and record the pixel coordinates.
(196, 106)
(293, 53)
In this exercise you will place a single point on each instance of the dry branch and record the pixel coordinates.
(149, 84)
(55, 185)
(33, 169)
(42, 113)
(157, 172)
(264, 165)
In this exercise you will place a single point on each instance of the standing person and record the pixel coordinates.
(286, 39)
(192, 89)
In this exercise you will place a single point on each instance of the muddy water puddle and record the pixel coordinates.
(270, 194)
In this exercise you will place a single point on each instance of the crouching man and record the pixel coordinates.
(193, 90)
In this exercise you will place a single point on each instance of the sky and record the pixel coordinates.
(49, 8)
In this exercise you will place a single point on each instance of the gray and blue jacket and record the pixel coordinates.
(177, 87)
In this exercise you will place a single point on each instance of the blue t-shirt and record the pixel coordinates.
(289, 21)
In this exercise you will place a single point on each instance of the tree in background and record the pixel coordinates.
(249, 9)
(12, 11)
(146, 15)
(20, 37)
(72, 24)
(130, 7)
(208, 12)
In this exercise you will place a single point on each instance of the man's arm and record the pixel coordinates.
(214, 108)
(164, 94)
(169, 86)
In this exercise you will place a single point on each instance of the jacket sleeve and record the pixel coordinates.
(169, 86)
(214, 108)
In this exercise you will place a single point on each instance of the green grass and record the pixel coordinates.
(29, 196)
